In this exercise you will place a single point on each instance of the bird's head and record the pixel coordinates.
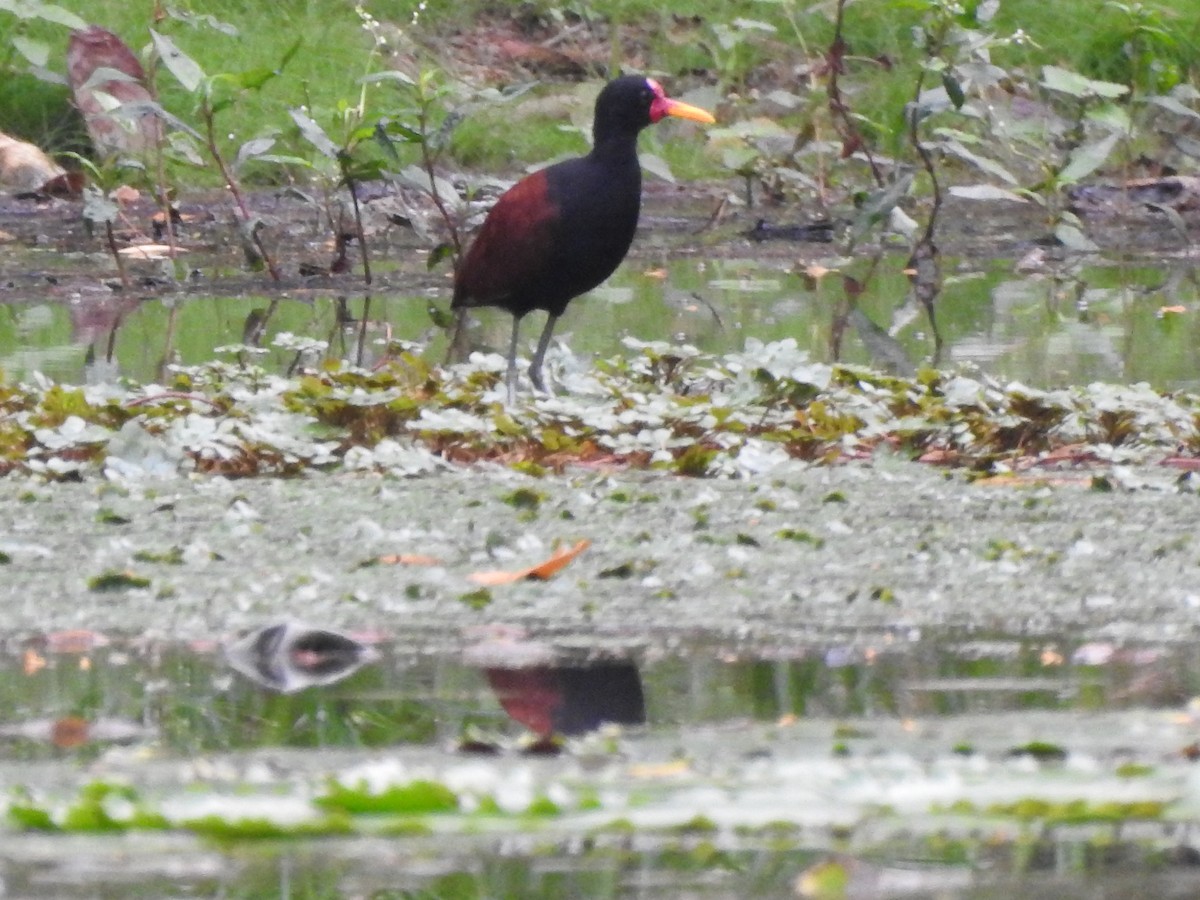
(630, 103)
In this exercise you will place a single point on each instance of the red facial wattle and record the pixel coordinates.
(662, 106)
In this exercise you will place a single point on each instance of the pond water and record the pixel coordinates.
(714, 735)
(1047, 317)
(923, 764)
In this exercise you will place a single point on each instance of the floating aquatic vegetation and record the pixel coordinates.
(666, 407)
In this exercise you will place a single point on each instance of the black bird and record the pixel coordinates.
(561, 231)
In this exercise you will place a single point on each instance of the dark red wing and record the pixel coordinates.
(512, 247)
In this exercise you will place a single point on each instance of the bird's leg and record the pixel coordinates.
(510, 378)
(535, 367)
(457, 350)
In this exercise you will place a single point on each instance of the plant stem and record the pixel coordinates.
(231, 183)
(358, 228)
(835, 58)
(112, 248)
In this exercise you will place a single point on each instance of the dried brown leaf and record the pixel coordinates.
(542, 571)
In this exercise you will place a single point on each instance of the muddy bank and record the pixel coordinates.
(805, 554)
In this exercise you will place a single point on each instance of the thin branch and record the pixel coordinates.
(835, 58)
(231, 183)
(117, 258)
(358, 227)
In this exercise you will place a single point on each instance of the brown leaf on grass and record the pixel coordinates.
(91, 51)
(408, 559)
(542, 571)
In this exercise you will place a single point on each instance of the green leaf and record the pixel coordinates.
(136, 108)
(290, 54)
(1173, 105)
(953, 89)
(47, 12)
(393, 75)
(877, 206)
(478, 599)
(185, 69)
(986, 192)
(412, 798)
(754, 25)
(25, 815)
(985, 163)
(1067, 82)
(253, 79)
(1112, 116)
(36, 52)
(656, 165)
(1087, 159)
(437, 254)
(1073, 238)
(253, 149)
(438, 316)
(117, 581)
(314, 133)
(360, 170)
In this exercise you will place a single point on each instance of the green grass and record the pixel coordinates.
(698, 41)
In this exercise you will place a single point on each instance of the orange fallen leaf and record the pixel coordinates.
(660, 770)
(126, 194)
(1021, 480)
(75, 640)
(939, 456)
(1187, 463)
(409, 559)
(543, 570)
(1163, 310)
(32, 662)
(69, 731)
(1051, 657)
(660, 274)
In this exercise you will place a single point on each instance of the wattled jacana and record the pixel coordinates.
(561, 231)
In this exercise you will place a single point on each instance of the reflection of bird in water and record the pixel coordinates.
(96, 319)
(291, 656)
(570, 700)
(551, 696)
(564, 229)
